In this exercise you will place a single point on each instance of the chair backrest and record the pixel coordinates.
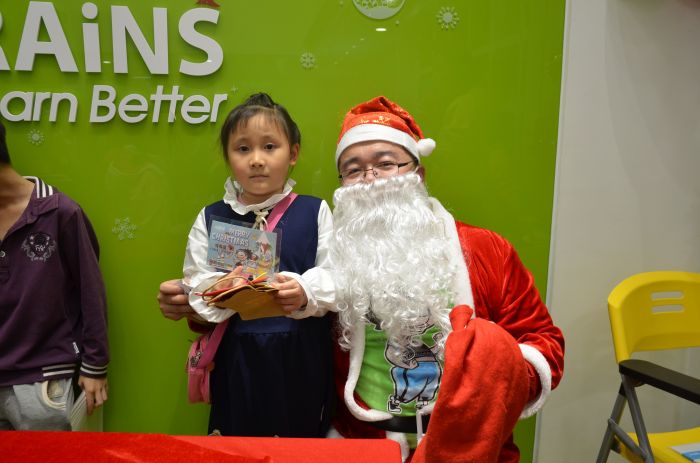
(655, 311)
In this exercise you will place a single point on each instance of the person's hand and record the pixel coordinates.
(231, 280)
(95, 392)
(291, 295)
(174, 303)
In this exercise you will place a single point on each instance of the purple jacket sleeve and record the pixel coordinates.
(81, 252)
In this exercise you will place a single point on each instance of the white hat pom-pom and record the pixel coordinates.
(426, 146)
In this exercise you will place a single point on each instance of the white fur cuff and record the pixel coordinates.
(535, 358)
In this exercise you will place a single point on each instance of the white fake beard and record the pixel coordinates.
(390, 255)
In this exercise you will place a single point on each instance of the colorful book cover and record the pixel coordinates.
(235, 244)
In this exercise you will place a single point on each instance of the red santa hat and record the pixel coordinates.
(380, 119)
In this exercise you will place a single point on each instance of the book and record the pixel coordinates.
(235, 244)
(251, 255)
(78, 414)
(79, 419)
(689, 451)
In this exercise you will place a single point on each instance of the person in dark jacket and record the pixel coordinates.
(53, 312)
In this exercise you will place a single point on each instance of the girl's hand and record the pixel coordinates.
(230, 280)
(291, 295)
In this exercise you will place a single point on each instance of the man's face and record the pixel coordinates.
(386, 159)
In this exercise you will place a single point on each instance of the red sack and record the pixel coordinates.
(483, 391)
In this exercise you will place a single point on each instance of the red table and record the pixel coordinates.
(98, 447)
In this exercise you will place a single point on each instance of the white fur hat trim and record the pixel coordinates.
(377, 132)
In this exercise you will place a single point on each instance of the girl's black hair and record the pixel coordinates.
(256, 104)
(4, 152)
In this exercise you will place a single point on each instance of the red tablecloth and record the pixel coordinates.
(98, 447)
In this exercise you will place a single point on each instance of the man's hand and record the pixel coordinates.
(95, 392)
(174, 303)
(291, 295)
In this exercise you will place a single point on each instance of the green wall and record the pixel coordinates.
(482, 79)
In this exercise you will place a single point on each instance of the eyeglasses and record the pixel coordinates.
(380, 170)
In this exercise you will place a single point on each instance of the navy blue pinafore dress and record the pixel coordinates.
(273, 376)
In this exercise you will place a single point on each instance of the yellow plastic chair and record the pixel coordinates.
(652, 311)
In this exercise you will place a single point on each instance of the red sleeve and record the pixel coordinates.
(505, 293)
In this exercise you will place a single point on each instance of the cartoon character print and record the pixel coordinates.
(416, 371)
(264, 255)
(252, 265)
(224, 251)
(39, 246)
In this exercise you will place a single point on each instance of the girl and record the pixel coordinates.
(272, 376)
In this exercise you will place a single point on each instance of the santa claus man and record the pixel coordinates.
(441, 327)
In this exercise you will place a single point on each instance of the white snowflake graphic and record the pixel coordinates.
(35, 137)
(124, 229)
(307, 60)
(447, 17)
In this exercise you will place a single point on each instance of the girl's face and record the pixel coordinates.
(260, 157)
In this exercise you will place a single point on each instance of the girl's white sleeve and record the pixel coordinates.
(198, 275)
(317, 282)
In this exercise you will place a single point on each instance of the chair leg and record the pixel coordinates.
(638, 421)
(615, 416)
